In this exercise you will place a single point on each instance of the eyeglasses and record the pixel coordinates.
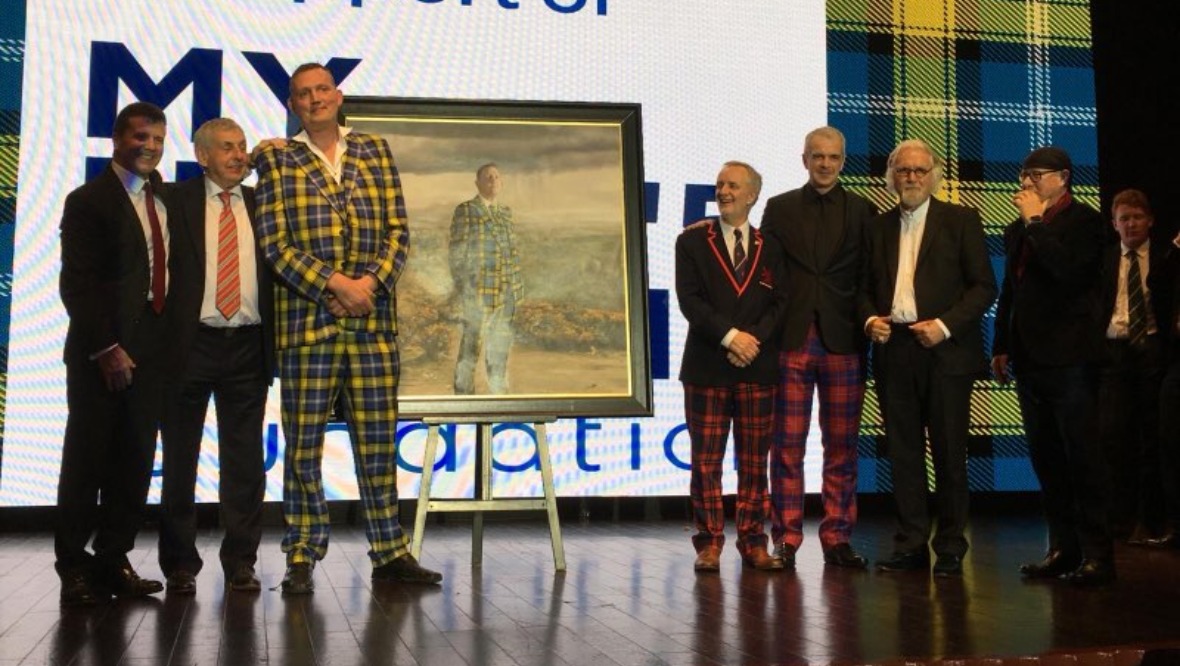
(906, 172)
(1036, 176)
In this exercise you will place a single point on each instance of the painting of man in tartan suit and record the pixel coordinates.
(485, 268)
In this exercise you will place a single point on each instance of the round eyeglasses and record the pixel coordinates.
(906, 172)
(1036, 176)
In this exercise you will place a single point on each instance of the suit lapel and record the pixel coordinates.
(721, 255)
(892, 244)
(311, 165)
(929, 230)
(193, 204)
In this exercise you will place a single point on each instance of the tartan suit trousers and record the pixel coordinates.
(361, 368)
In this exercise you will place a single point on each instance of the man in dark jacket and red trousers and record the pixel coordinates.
(1050, 329)
(729, 285)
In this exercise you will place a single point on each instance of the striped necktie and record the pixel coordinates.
(229, 288)
(739, 257)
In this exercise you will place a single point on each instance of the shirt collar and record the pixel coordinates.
(212, 189)
(342, 130)
(132, 182)
(916, 214)
(1141, 251)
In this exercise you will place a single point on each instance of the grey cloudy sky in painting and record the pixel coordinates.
(553, 172)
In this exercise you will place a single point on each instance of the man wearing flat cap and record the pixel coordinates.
(1049, 334)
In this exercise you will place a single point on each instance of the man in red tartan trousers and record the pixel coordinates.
(729, 285)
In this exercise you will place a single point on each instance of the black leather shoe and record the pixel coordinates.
(243, 580)
(76, 590)
(948, 565)
(298, 579)
(406, 569)
(124, 582)
(1091, 572)
(912, 561)
(785, 552)
(1168, 538)
(182, 582)
(1140, 536)
(1054, 564)
(842, 555)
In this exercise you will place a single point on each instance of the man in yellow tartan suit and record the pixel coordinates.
(485, 267)
(332, 225)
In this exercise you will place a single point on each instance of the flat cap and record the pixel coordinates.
(1048, 157)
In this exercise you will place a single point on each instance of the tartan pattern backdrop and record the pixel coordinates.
(983, 82)
(12, 48)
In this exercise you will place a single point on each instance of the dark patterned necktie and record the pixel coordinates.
(159, 253)
(1136, 303)
(739, 257)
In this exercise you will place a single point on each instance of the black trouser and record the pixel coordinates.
(228, 365)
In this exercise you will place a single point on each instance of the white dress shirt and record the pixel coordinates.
(247, 313)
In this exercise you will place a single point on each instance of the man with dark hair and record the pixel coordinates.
(729, 285)
(485, 269)
(223, 304)
(927, 286)
(1049, 335)
(114, 284)
(332, 225)
(820, 227)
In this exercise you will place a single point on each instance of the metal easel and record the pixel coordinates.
(483, 499)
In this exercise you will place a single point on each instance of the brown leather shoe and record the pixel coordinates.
(709, 559)
(762, 561)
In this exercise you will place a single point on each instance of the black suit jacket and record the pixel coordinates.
(105, 274)
(953, 280)
(820, 288)
(1158, 287)
(1050, 314)
(713, 302)
(186, 219)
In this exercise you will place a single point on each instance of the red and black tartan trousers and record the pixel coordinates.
(709, 410)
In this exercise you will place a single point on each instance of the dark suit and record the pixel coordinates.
(1129, 398)
(1167, 301)
(234, 362)
(822, 345)
(717, 391)
(928, 391)
(110, 437)
(1048, 323)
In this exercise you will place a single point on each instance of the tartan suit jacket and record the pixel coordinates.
(311, 226)
(484, 257)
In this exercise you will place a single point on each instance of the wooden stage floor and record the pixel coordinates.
(629, 596)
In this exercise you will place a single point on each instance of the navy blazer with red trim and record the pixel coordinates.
(713, 302)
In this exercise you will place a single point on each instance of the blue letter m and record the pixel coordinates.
(111, 62)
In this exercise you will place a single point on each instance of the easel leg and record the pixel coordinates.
(550, 497)
(424, 491)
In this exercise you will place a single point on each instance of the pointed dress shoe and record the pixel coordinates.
(125, 583)
(406, 569)
(762, 561)
(77, 590)
(182, 582)
(298, 579)
(1054, 564)
(708, 559)
(842, 555)
(785, 553)
(1091, 572)
(948, 565)
(911, 561)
